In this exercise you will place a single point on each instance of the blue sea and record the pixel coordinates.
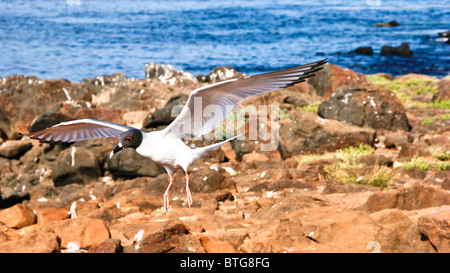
(76, 39)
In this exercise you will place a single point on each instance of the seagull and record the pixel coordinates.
(166, 146)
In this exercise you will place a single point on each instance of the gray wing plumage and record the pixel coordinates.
(220, 98)
(77, 130)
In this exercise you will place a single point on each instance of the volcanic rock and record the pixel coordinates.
(415, 197)
(437, 231)
(34, 242)
(166, 73)
(167, 114)
(443, 92)
(86, 232)
(222, 73)
(388, 24)
(127, 163)
(14, 148)
(363, 50)
(75, 165)
(22, 90)
(17, 216)
(332, 76)
(378, 109)
(307, 132)
(402, 50)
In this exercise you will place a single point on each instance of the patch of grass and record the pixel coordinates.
(415, 86)
(418, 163)
(345, 154)
(378, 176)
(311, 108)
(445, 166)
(406, 89)
(348, 171)
(427, 121)
(284, 115)
(313, 157)
(351, 153)
(439, 104)
(440, 155)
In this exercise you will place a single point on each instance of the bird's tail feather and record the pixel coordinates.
(204, 150)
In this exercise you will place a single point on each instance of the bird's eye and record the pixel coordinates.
(128, 139)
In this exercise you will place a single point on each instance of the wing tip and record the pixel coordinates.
(315, 67)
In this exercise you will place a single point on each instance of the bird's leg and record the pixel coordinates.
(188, 191)
(166, 194)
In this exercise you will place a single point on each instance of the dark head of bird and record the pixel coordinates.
(129, 139)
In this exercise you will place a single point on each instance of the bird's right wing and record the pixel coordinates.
(77, 130)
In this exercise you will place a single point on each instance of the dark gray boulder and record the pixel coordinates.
(377, 109)
(75, 165)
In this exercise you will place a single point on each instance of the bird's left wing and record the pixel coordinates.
(215, 101)
(77, 130)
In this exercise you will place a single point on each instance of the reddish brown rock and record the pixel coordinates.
(14, 148)
(250, 157)
(332, 76)
(35, 95)
(65, 111)
(174, 238)
(415, 197)
(87, 232)
(17, 216)
(443, 92)
(403, 237)
(34, 242)
(216, 246)
(437, 231)
(389, 217)
(108, 246)
(48, 215)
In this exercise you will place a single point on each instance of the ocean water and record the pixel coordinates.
(76, 39)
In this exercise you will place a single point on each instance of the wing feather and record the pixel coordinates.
(77, 130)
(220, 98)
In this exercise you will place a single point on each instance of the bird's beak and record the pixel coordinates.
(118, 148)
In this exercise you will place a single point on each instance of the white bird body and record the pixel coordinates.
(206, 107)
(167, 150)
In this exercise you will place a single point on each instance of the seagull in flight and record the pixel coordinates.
(166, 147)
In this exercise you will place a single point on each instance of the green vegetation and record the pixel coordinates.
(406, 89)
(413, 86)
(312, 108)
(346, 154)
(284, 115)
(378, 176)
(430, 119)
(351, 153)
(445, 166)
(441, 155)
(349, 171)
(440, 104)
(420, 163)
(313, 157)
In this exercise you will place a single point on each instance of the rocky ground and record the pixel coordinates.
(362, 166)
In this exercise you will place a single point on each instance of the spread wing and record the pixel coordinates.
(208, 106)
(77, 130)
